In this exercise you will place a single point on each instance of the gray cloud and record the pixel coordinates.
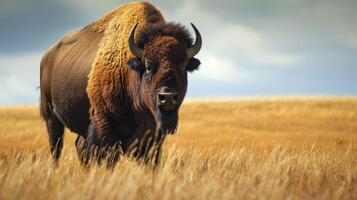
(34, 25)
(292, 26)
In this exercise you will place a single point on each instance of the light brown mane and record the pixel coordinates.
(109, 64)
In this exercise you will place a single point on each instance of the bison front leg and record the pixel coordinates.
(101, 145)
(81, 146)
(154, 155)
(147, 149)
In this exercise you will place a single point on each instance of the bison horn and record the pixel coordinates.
(135, 50)
(195, 48)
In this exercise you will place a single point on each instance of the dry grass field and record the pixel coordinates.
(283, 148)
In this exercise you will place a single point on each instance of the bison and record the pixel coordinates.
(118, 83)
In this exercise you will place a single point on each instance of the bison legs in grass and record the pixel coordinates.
(93, 148)
(81, 145)
(146, 149)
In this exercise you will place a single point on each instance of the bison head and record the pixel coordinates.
(163, 54)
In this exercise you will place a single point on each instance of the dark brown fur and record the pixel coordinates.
(180, 33)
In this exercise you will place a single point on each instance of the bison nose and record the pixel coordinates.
(167, 97)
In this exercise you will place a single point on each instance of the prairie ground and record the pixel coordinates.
(272, 148)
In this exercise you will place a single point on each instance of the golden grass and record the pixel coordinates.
(297, 148)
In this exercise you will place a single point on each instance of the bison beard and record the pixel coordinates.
(167, 121)
(118, 88)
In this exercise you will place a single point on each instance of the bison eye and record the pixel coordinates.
(149, 65)
(135, 64)
(148, 70)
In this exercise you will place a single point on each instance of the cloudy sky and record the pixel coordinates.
(251, 47)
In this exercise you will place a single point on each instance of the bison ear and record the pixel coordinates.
(136, 64)
(193, 64)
